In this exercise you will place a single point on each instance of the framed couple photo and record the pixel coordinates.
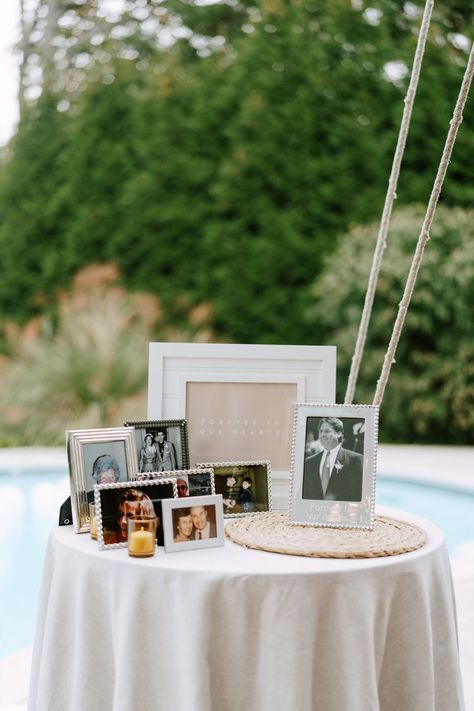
(334, 465)
(195, 523)
(162, 445)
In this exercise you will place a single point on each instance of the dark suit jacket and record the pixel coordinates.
(345, 483)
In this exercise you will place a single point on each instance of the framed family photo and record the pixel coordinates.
(197, 523)
(116, 503)
(190, 482)
(334, 465)
(245, 486)
(98, 456)
(162, 445)
(238, 399)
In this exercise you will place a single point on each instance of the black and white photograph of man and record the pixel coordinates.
(332, 472)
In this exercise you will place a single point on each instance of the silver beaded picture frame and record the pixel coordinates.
(95, 456)
(246, 486)
(333, 466)
(196, 522)
(170, 435)
(190, 482)
(114, 503)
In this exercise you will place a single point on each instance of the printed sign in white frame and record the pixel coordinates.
(333, 469)
(238, 400)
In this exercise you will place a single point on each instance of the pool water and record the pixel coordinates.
(30, 505)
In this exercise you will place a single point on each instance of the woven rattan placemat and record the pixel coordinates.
(272, 532)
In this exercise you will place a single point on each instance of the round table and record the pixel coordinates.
(221, 629)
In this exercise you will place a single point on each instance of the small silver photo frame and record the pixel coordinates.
(190, 482)
(333, 468)
(114, 503)
(162, 445)
(193, 523)
(246, 487)
(97, 456)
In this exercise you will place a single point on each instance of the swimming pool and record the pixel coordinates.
(31, 504)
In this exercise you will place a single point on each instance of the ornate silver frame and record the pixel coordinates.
(181, 473)
(75, 441)
(156, 424)
(136, 484)
(260, 462)
(335, 513)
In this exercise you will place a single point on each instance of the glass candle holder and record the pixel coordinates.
(93, 521)
(141, 536)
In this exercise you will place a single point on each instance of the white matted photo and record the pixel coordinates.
(196, 523)
(334, 465)
(238, 400)
(97, 456)
(246, 487)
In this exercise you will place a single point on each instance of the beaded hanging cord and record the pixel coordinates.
(418, 256)
(388, 205)
(425, 230)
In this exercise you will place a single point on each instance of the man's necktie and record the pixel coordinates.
(326, 473)
(199, 535)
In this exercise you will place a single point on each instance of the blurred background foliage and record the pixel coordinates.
(218, 156)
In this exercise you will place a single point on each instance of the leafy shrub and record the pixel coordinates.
(85, 365)
(430, 395)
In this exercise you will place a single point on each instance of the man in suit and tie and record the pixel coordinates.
(335, 473)
(202, 527)
(165, 454)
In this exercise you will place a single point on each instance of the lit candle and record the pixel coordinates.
(141, 544)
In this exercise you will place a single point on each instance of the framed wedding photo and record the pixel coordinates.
(333, 468)
(162, 445)
(196, 523)
(246, 487)
(97, 456)
(115, 503)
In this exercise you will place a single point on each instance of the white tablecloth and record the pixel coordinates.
(225, 629)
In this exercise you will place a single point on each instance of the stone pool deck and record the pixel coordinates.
(452, 467)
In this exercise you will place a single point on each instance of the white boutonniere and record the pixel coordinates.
(338, 466)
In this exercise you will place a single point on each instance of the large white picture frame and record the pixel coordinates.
(238, 400)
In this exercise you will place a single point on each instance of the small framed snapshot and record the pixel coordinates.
(98, 456)
(190, 482)
(115, 503)
(162, 445)
(197, 523)
(246, 487)
(334, 465)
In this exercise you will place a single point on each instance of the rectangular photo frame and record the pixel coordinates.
(162, 445)
(333, 471)
(114, 503)
(246, 487)
(97, 456)
(190, 482)
(237, 397)
(194, 523)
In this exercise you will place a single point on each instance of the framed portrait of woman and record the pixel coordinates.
(97, 456)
